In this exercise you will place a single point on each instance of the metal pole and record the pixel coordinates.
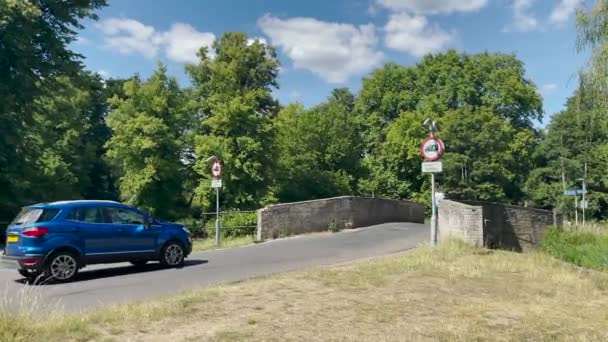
(584, 202)
(217, 216)
(433, 213)
(575, 209)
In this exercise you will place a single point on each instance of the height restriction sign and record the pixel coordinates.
(216, 169)
(432, 148)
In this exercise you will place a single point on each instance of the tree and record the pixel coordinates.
(33, 53)
(471, 95)
(233, 94)
(147, 126)
(490, 164)
(320, 150)
(575, 146)
(592, 28)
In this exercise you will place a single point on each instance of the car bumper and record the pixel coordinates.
(28, 262)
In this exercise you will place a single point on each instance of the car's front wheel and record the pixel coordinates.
(62, 266)
(172, 254)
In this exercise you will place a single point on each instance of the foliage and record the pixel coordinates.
(235, 224)
(232, 93)
(487, 108)
(574, 147)
(319, 150)
(582, 248)
(60, 137)
(147, 126)
(34, 59)
(593, 33)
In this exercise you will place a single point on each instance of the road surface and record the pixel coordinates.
(99, 285)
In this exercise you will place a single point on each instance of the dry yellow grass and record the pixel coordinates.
(451, 293)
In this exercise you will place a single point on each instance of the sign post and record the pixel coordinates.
(583, 205)
(216, 182)
(432, 149)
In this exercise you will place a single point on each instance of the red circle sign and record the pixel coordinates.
(216, 169)
(432, 148)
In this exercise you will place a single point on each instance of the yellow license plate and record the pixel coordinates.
(12, 238)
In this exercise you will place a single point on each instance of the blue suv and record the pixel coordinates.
(57, 239)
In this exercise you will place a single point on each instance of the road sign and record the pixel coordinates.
(216, 183)
(432, 148)
(574, 192)
(584, 204)
(432, 167)
(216, 169)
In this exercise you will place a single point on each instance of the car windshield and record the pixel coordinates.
(33, 215)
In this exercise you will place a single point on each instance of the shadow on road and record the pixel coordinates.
(116, 272)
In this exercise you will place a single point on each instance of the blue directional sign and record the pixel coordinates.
(574, 192)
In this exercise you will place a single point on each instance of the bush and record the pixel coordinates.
(233, 224)
(582, 248)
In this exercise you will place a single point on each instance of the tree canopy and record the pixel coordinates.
(67, 133)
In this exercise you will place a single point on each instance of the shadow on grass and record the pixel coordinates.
(114, 272)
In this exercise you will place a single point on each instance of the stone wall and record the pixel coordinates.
(340, 212)
(495, 225)
(460, 221)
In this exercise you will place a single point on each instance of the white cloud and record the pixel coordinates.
(180, 43)
(413, 34)
(523, 20)
(183, 41)
(260, 39)
(333, 51)
(549, 88)
(433, 6)
(103, 73)
(129, 36)
(562, 12)
(82, 40)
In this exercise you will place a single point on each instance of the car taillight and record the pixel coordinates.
(34, 231)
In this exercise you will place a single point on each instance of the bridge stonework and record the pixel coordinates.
(495, 225)
(336, 213)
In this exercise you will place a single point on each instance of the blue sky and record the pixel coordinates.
(325, 44)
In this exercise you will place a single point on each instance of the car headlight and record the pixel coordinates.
(186, 230)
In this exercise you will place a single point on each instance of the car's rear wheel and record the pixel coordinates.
(138, 263)
(62, 266)
(172, 254)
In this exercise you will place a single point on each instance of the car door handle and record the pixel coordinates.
(120, 229)
(75, 229)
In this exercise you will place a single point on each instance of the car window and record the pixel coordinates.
(86, 214)
(123, 216)
(33, 215)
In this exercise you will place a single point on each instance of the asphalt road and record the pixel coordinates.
(99, 285)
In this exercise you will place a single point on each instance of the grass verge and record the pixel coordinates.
(199, 245)
(450, 293)
(586, 248)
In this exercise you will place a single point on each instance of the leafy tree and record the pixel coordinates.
(448, 81)
(484, 95)
(147, 126)
(593, 33)
(492, 164)
(33, 53)
(320, 150)
(233, 93)
(575, 146)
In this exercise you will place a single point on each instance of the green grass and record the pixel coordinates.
(587, 248)
(209, 244)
